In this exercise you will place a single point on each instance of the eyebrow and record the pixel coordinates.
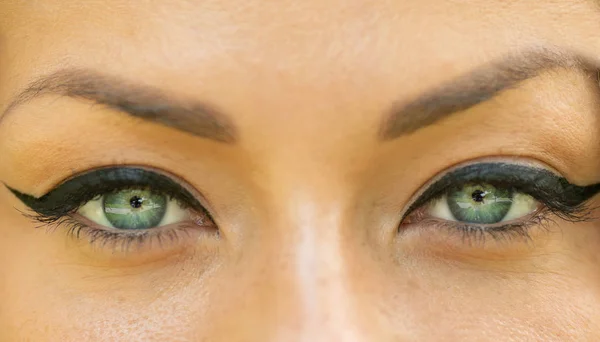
(478, 86)
(199, 119)
(144, 102)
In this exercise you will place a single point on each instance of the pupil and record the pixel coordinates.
(136, 202)
(478, 196)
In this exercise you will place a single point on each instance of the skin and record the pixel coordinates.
(309, 199)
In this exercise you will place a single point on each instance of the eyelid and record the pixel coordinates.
(59, 209)
(543, 184)
(77, 190)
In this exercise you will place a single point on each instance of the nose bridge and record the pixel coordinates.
(308, 249)
(312, 240)
(297, 276)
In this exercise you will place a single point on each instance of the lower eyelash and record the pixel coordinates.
(117, 241)
(479, 235)
(543, 218)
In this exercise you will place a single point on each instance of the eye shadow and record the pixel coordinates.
(554, 191)
(71, 194)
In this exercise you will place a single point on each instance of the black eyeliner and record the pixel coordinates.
(76, 191)
(554, 191)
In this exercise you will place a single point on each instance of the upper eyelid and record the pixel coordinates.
(424, 194)
(39, 204)
(418, 197)
(75, 175)
(160, 172)
(180, 181)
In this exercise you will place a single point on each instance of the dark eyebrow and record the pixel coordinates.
(143, 102)
(471, 89)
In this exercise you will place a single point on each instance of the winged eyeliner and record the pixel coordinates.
(554, 191)
(70, 195)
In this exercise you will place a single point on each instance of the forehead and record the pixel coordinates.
(313, 77)
(321, 56)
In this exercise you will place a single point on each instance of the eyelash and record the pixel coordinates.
(552, 208)
(472, 234)
(567, 202)
(59, 211)
(105, 238)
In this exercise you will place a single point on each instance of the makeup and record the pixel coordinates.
(76, 191)
(518, 184)
(550, 189)
(62, 207)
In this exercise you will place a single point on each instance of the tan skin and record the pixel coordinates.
(309, 198)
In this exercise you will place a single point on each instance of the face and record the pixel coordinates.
(312, 171)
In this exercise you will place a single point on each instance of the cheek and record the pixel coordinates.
(457, 304)
(150, 306)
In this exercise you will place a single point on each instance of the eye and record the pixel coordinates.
(498, 199)
(134, 209)
(482, 203)
(122, 205)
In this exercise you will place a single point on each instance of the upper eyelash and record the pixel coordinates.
(561, 197)
(565, 200)
(71, 194)
(56, 209)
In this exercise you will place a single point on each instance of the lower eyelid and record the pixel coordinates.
(86, 223)
(538, 216)
(443, 232)
(127, 246)
(193, 220)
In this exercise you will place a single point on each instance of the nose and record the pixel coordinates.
(323, 304)
(299, 282)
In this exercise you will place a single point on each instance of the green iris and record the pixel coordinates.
(135, 209)
(480, 203)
